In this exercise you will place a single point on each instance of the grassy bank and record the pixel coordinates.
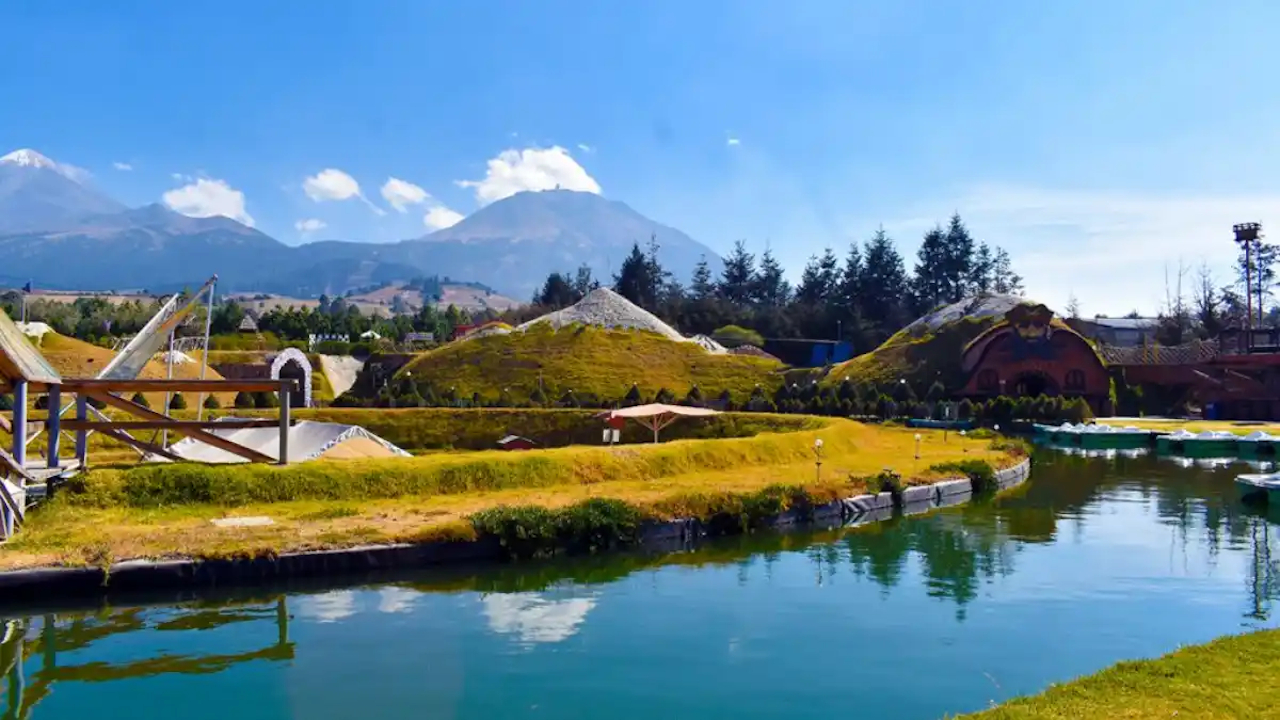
(1229, 678)
(164, 511)
(590, 361)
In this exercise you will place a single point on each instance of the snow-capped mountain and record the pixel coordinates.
(38, 193)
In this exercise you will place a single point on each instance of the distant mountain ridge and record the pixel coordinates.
(60, 233)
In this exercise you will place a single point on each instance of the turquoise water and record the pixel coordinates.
(1094, 561)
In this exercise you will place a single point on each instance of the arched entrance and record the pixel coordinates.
(1032, 384)
(292, 364)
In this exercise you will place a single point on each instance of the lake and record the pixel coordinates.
(1093, 561)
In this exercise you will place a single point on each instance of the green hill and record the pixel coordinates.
(591, 361)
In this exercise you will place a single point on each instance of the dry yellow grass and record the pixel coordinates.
(68, 533)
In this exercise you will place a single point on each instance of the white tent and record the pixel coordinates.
(308, 440)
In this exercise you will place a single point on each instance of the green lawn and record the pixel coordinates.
(1230, 678)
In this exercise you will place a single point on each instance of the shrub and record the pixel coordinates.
(979, 472)
(569, 400)
(633, 397)
(333, 347)
(140, 399)
(211, 403)
(732, 336)
(965, 409)
(665, 397)
(936, 392)
(6, 402)
(177, 402)
(538, 398)
(265, 400)
(244, 401)
(726, 399)
(42, 402)
(694, 397)
(529, 531)
(95, 403)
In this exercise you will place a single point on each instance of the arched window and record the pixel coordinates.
(1075, 380)
(988, 380)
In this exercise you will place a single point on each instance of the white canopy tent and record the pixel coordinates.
(657, 416)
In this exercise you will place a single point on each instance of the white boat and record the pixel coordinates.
(1255, 487)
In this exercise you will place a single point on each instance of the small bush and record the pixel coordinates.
(244, 401)
(665, 396)
(732, 336)
(530, 531)
(178, 402)
(211, 403)
(979, 472)
(265, 400)
(140, 399)
(6, 402)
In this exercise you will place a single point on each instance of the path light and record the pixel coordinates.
(917, 446)
(817, 454)
(964, 448)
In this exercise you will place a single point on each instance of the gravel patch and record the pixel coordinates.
(606, 308)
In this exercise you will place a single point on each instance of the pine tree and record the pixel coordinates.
(738, 279)
(882, 288)
(583, 282)
(635, 280)
(849, 291)
(771, 288)
(557, 292)
(980, 274)
(958, 265)
(931, 271)
(1004, 280)
(703, 287)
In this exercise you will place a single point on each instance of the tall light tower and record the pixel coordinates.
(1247, 235)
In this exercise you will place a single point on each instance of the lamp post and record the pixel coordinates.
(965, 448)
(817, 462)
(917, 446)
(1247, 235)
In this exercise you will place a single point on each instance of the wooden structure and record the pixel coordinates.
(515, 442)
(655, 416)
(24, 372)
(1027, 354)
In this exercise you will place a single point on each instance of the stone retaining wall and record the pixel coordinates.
(58, 584)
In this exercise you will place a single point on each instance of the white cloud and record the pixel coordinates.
(400, 194)
(180, 177)
(208, 198)
(328, 607)
(513, 171)
(310, 225)
(535, 619)
(396, 599)
(1109, 249)
(333, 184)
(441, 217)
(733, 141)
(585, 148)
(122, 166)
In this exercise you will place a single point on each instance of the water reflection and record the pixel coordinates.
(46, 641)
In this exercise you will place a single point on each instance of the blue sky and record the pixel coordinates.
(1098, 141)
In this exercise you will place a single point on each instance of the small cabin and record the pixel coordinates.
(515, 442)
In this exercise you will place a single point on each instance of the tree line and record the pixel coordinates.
(863, 298)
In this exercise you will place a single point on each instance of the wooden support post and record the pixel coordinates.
(55, 419)
(20, 422)
(284, 425)
(82, 436)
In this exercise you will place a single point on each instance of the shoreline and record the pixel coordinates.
(31, 584)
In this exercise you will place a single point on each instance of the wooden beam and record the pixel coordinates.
(205, 437)
(175, 425)
(96, 385)
(142, 445)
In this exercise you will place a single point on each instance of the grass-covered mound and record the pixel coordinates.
(917, 353)
(74, 358)
(420, 429)
(591, 361)
(1227, 678)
